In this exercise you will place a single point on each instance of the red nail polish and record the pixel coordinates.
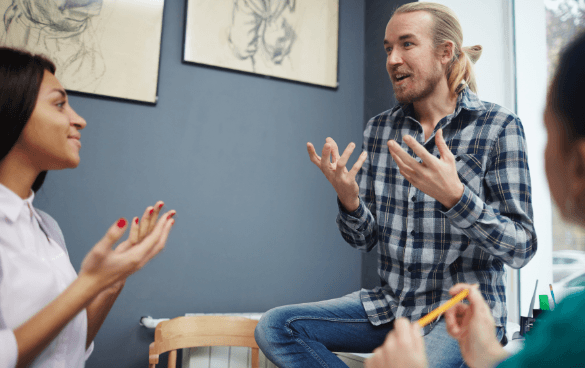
(161, 205)
(136, 221)
(151, 211)
(170, 216)
(121, 223)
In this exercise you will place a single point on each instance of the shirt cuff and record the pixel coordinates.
(89, 351)
(8, 349)
(467, 211)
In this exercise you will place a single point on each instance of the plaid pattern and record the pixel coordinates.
(423, 248)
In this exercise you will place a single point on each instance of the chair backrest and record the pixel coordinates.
(198, 331)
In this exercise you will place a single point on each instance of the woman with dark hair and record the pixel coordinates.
(558, 340)
(49, 315)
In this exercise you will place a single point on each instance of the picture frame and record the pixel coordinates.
(103, 47)
(287, 39)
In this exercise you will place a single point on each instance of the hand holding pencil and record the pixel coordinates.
(473, 326)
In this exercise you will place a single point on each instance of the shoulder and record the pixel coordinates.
(386, 117)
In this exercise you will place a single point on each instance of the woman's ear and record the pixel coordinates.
(576, 179)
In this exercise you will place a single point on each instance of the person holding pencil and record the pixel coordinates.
(441, 192)
(558, 341)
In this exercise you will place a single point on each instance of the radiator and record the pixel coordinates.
(241, 357)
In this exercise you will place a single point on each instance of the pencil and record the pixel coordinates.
(553, 296)
(443, 308)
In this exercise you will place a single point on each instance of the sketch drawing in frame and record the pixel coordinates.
(104, 47)
(289, 39)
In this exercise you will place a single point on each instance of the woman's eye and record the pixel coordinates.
(60, 104)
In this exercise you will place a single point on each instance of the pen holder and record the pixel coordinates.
(527, 323)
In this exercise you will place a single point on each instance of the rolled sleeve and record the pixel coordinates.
(8, 349)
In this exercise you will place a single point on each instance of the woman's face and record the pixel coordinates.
(556, 160)
(50, 139)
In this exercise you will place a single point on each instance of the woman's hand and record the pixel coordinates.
(106, 266)
(474, 328)
(404, 348)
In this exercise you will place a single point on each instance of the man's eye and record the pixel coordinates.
(406, 44)
(388, 50)
(60, 104)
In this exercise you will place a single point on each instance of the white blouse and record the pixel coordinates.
(34, 269)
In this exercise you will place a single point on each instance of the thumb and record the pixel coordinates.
(444, 150)
(112, 236)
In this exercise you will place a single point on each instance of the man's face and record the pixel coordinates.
(412, 63)
(62, 15)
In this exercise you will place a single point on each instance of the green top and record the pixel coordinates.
(558, 340)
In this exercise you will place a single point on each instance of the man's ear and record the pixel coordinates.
(446, 52)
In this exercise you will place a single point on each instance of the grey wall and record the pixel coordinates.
(378, 95)
(255, 225)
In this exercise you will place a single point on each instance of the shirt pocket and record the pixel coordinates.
(470, 170)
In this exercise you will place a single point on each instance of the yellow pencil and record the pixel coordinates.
(443, 308)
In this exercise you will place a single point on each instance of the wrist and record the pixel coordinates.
(350, 205)
(456, 197)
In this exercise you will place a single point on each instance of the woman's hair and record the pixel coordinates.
(446, 27)
(567, 89)
(21, 75)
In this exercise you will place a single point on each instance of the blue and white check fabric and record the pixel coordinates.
(425, 248)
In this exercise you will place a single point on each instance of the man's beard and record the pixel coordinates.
(413, 94)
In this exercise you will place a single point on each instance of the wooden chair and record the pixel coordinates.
(198, 331)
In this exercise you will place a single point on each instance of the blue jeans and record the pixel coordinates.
(304, 335)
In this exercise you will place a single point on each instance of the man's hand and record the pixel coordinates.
(436, 177)
(333, 167)
(404, 348)
(474, 328)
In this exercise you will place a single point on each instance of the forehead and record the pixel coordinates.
(49, 84)
(417, 24)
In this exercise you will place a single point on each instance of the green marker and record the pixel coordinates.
(544, 302)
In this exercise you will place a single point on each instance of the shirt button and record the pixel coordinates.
(413, 198)
(457, 158)
(413, 232)
(410, 268)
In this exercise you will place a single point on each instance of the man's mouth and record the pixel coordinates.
(401, 77)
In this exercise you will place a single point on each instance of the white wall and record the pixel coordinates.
(531, 76)
(490, 23)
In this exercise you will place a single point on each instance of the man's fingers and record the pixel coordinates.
(112, 236)
(397, 151)
(334, 148)
(359, 163)
(444, 150)
(313, 154)
(418, 149)
(344, 158)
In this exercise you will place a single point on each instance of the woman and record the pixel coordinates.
(558, 340)
(49, 316)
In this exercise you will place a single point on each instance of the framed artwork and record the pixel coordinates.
(289, 39)
(104, 47)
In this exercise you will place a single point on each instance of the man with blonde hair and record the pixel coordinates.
(442, 188)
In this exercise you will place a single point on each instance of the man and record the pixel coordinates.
(442, 188)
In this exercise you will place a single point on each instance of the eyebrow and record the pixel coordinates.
(402, 38)
(61, 91)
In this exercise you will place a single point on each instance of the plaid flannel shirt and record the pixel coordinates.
(425, 248)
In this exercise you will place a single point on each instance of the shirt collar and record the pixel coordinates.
(11, 204)
(466, 100)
